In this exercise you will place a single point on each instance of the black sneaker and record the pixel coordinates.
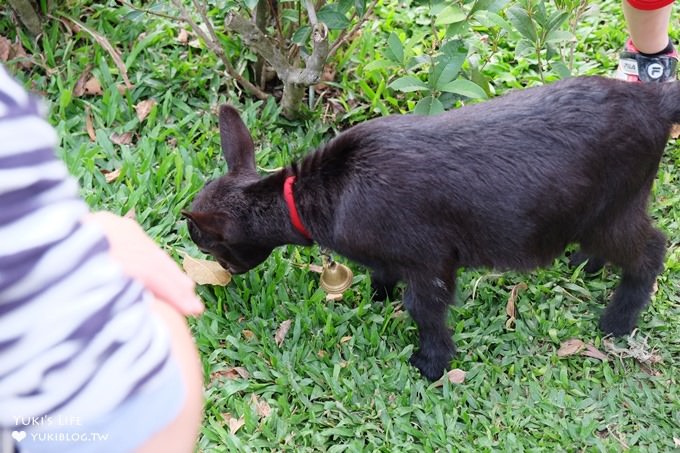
(636, 67)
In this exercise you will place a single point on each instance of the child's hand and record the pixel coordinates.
(143, 260)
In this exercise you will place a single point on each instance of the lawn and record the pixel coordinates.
(340, 380)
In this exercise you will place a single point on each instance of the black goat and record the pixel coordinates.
(505, 184)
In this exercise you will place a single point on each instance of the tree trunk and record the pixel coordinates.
(291, 101)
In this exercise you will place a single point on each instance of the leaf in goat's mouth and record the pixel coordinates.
(204, 272)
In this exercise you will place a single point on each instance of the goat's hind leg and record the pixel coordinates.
(594, 264)
(383, 283)
(427, 302)
(639, 250)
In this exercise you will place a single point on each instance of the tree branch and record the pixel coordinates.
(258, 41)
(213, 44)
(311, 74)
(311, 12)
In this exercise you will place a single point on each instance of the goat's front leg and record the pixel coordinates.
(427, 302)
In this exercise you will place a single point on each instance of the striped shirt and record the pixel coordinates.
(76, 338)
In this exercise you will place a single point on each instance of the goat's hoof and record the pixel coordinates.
(617, 326)
(431, 368)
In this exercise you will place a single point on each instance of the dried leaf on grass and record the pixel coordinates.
(234, 423)
(282, 331)
(5, 47)
(183, 36)
(262, 408)
(248, 334)
(230, 373)
(575, 346)
(89, 125)
(454, 376)
(92, 87)
(592, 352)
(510, 307)
(79, 87)
(570, 347)
(20, 54)
(111, 176)
(121, 139)
(144, 108)
(9, 51)
(204, 272)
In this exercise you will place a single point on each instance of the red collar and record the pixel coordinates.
(292, 210)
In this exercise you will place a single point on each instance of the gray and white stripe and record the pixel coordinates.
(76, 337)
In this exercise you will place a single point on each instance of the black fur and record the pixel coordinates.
(504, 184)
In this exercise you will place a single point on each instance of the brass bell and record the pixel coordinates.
(335, 278)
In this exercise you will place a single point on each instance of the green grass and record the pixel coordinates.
(341, 380)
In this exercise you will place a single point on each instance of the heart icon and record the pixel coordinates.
(18, 435)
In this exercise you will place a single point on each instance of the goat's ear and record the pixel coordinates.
(237, 144)
(206, 222)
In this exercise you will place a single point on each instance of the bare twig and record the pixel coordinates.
(148, 11)
(273, 8)
(311, 12)
(214, 45)
(102, 41)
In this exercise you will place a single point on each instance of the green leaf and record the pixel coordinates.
(343, 6)
(489, 19)
(429, 106)
(408, 84)
(450, 15)
(360, 5)
(464, 88)
(459, 28)
(443, 73)
(488, 5)
(524, 48)
(334, 19)
(560, 36)
(556, 20)
(540, 14)
(301, 35)
(561, 69)
(395, 49)
(455, 49)
(519, 17)
(378, 65)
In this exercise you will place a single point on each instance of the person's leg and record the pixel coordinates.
(648, 55)
(648, 28)
(180, 435)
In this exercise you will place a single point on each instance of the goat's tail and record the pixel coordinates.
(670, 101)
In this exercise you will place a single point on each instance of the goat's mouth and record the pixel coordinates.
(233, 270)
